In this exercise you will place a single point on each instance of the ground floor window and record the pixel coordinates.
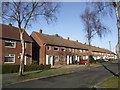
(56, 58)
(85, 57)
(63, 58)
(9, 58)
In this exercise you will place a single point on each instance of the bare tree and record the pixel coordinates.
(92, 26)
(24, 13)
(105, 8)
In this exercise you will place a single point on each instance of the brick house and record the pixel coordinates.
(54, 50)
(11, 45)
(98, 53)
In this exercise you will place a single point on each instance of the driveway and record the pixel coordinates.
(81, 79)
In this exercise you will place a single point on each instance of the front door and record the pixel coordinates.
(49, 59)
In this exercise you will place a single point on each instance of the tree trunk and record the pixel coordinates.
(89, 52)
(118, 25)
(21, 69)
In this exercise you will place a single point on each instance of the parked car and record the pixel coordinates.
(105, 60)
(82, 62)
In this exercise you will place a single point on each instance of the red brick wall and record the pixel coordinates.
(0, 51)
(16, 51)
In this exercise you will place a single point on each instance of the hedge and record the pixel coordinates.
(15, 68)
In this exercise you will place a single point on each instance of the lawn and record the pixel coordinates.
(111, 82)
(44, 74)
(13, 78)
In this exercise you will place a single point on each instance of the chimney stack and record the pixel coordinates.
(10, 24)
(56, 35)
(40, 30)
(68, 38)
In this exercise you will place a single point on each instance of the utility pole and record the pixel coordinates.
(110, 48)
(110, 45)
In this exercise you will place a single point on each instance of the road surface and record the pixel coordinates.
(82, 79)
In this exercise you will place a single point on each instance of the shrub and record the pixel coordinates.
(15, 68)
(35, 62)
(91, 59)
(10, 68)
(74, 62)
(100, 61)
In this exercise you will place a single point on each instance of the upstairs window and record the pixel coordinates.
(73, 50)
(49, 47)
(80, 51)
(56, 48)
(69, 49)
(9, 58)
(84, 51)
(10, 44)
(63, 48)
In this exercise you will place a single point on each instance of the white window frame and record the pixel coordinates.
(10, 55)
(57, 57)
(84, 51)
(64, 58)
(49, 48)
(63, 48)
(56, 47)
(80, 51)
(10, 41)
(69, 49)
(76, 50)
(73, 50)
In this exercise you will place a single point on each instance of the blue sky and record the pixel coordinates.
(70, 25)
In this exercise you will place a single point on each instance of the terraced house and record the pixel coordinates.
(46, 49)
(54, 50)
(11, 45)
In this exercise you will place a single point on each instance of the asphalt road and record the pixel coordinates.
(82, 79)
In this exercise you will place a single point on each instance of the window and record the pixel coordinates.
(84, 57)
(69, 49)
(56, 48)
(80, 51)
(49, 47)
(63, 48)
(10, 44)
(73, 50)
(9, 58)
(63, 58)
(56, 58)
(84, 51)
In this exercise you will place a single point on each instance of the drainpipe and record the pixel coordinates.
(45, 54)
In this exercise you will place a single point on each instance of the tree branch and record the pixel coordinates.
(103, 8)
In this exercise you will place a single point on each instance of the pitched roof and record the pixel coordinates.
(56, 40)
(11, 32)
(97, 49)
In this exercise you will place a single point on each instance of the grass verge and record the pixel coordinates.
(14, 78)
(43, 74)
(111, 82)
